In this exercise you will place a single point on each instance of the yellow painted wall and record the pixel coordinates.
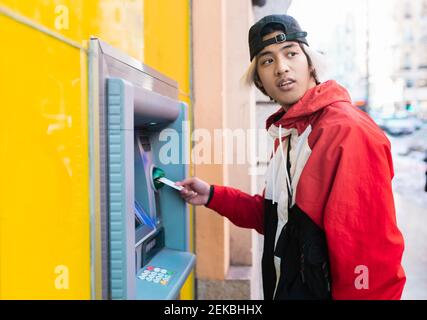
(44, 185)
(167, 48)
(167, 40)
(117, 22)
(44, 212)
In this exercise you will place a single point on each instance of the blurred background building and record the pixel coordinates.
(410, 50)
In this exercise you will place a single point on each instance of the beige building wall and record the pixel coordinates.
(410, 17)
(238, 117)
(225, 253)
(212, 231)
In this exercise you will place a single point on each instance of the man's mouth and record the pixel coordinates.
(286, 84)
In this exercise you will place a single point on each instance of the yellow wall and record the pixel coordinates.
(44, 213)
(44, 185)
(167, 49)
(167, 40)
(117, 22)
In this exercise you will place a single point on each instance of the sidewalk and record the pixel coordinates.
(411, 209)
(412, 221)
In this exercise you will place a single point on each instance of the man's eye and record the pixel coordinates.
(267, 61)
(292, 54)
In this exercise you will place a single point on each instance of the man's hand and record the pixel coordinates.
(195, 191)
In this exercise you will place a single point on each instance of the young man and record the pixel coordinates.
(327, 210)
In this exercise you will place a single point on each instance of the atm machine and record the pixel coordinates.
(142, 239)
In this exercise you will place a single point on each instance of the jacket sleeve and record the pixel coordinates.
(240, 208)
(352, 170)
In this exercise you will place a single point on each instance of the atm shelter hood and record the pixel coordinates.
(341, 169)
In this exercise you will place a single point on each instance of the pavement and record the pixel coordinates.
(412, 222)
(411, 209)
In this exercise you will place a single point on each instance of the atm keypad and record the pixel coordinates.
(156, 275)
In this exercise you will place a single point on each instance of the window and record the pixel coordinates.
(259, 3)
(422, 58)
(407, 10)
(408, 36)
(407, 63)
(423, 12)
(423, 28)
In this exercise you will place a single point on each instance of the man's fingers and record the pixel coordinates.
(185, 182)
(188, 199)
(185, 191)
(189, 195)
(193, 194)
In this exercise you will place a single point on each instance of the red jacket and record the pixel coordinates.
(341, 170)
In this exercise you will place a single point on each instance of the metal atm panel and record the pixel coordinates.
(145, 230)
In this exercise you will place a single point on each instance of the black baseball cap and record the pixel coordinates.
(291, 28)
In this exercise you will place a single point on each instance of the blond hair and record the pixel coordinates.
(315, 59)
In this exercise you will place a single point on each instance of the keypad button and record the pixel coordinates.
(156, 275)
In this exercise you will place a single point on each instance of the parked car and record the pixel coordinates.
(379, 119)
(417, 122)
(399, 126)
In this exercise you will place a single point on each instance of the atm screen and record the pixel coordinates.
(144, 224)
(145, 199)
(142, 218)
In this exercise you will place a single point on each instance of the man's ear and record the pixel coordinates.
(257, 81)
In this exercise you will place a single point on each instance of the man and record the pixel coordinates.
(327, 210)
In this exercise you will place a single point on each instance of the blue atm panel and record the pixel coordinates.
(147, 236)
(156, 226)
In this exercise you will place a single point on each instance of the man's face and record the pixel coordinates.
(284, 71)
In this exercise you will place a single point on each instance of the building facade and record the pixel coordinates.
(410, 51)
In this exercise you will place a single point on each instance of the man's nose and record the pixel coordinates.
(281, 67)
